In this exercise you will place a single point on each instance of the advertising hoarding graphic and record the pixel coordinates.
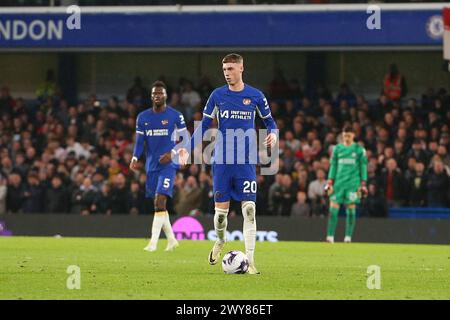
(188, 228)
(4, 232)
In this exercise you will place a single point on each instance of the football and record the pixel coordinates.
(235, 262)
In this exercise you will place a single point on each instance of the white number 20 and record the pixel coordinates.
(249, 186)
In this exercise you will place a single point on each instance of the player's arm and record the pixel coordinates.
(264, 113)
(139, 145)
(332, 172)
(179, 132)
(363, 171)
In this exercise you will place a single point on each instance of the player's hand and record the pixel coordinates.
(363, 189)
(183, 156)
(166, 157)
(329, 187)
(270, 140)
(134, 166)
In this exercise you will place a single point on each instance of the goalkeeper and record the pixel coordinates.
(346, 182)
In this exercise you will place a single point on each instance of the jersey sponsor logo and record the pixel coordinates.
(236, 114)
(156, 132)
(246, 101)
(346, 161)
(224, 114)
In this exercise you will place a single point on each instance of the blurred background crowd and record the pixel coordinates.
(61, 158)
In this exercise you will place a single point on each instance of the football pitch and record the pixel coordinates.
(36, 268)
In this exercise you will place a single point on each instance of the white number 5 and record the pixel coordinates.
(166, 183)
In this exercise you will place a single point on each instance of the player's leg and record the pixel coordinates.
(221, 187)
(336, 199)
(161, 207)
(332, 220)
(244, 190)
(350, 221)
(220, 226)
(164, 189)
(162, 184)
(249, 213)
(158, 218)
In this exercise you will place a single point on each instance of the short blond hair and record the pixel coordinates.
(233, 58)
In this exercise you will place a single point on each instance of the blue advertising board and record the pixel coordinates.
(215, 29)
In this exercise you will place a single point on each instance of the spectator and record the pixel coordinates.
(262, 200)
(443, 154)
(57, 197)
(189, 198)
(103, 202)
(392, 183)
(7, 103)
(275, 195)
(7, 166)
(48, 88)
(84, 199)
(394, 84)
(15, 193)
(438, 186)
(135, 199)
(190, 98)
(375, 203)
(300, 208)
(316, 194)
(417, 186)
(119, 195)
(291, 142)
(346, 94)
(138, 94)
(418, 152)
(3, 193)
(34, 194)
(206, 187)
(287, 196)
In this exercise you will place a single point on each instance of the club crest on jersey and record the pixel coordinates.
(246, 101)
(353, 154)
(164, 122)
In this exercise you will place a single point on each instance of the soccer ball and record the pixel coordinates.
(235, 262)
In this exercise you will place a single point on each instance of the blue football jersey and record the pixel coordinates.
(236, 110)
(156, 131)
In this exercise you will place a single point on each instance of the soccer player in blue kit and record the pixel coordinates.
(154, 129)
(235, 106)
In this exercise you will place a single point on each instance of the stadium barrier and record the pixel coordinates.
(272, 229)
(290, 27)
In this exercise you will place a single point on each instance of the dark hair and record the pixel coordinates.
(233, 58)
(348, 128)
(159, 84)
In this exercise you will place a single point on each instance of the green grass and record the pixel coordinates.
(35, 268)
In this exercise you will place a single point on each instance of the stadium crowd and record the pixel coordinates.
(61, 158)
